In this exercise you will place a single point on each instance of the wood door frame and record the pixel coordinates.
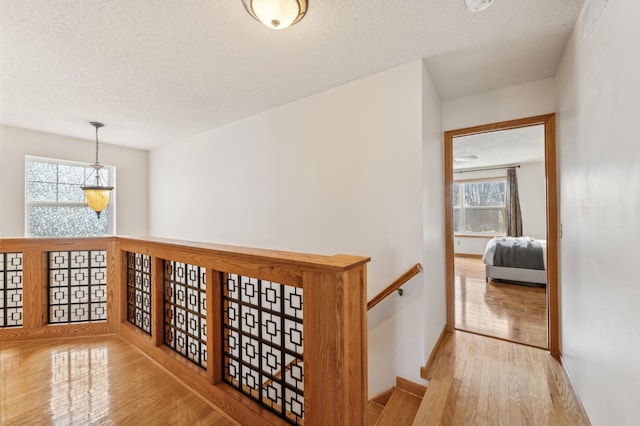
(548, 120)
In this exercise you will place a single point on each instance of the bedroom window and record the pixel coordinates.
(55, 205)
(479, 207)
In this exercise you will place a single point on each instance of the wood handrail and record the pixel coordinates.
(399, 282)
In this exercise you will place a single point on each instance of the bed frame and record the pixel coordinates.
(536, 276)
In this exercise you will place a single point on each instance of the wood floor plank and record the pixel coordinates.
(495, 382)
(502, 383)
(485, 390)
(534, 390)
(507, 311)
(467, 395)
(92, 380)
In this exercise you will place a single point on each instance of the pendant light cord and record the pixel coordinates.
(97, 146)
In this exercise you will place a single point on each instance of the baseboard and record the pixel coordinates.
(432, 355)
(567, 376)
(473, 256)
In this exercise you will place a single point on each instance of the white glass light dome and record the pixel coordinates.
(276, 14)
(478, 5)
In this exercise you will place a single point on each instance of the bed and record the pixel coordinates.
(516, 259)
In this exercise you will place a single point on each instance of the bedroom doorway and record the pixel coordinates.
(516, 302)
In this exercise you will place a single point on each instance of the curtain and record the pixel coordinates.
(513, 215)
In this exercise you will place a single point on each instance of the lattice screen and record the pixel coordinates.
(139, 291)
(11, 290)
(263, 343)
(185, 311)
(77, 286)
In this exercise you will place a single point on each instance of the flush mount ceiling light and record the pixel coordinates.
(96, 191)
(464, 159)
(276, 14)
(478, 5)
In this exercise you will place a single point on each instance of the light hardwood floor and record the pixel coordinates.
(97, 380)
(103, 380)
(486, 381)
(507, 311)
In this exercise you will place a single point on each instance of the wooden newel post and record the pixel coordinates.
(34, 289)
(335, 345)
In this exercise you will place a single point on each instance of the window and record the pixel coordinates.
(479, 207)
(55, 205)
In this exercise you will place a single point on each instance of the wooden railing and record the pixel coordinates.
(194, 308)
(395, 285)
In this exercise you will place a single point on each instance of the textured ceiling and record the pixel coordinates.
(502, 147)
(160, 71)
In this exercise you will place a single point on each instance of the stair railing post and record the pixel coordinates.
(335, 347)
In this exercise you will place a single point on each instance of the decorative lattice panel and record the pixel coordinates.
(77, 286)
(185, 311)
(263, 343)
(139, 291)
(10, 289)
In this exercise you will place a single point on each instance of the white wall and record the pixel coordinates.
(336, 172)
(131, 176)
(509, 103)
(599, 159)
(435, 312)
(532, 194)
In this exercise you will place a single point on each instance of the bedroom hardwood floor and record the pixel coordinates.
(507, 311)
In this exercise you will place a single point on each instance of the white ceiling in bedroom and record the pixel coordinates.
(502, 147)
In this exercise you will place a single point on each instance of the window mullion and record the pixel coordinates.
(57, 182)
(463, 213)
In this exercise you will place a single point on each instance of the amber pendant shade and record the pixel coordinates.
(97, 197)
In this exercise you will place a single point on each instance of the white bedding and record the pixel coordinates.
(487, 257)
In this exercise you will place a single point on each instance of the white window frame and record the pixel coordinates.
(460, 207)
(28, 204)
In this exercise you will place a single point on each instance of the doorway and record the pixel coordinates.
(469, 267)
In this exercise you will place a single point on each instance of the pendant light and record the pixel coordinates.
(96, 191)
(276, 14)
